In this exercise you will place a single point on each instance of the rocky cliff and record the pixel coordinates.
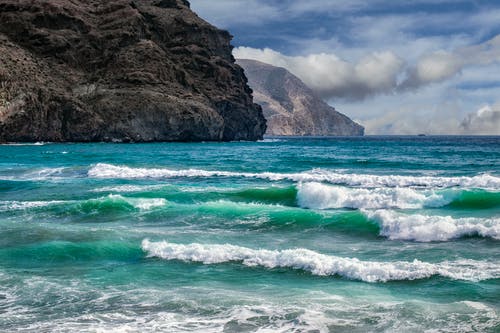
(119, 70)
(290, 107)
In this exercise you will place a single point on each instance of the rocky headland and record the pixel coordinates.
(290, 107)
(119, 70)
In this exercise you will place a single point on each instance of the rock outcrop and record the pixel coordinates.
(290, 107)
(119, 70)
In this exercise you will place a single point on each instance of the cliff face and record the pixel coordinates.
(290, 107)
(124, 70)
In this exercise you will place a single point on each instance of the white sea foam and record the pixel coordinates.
(44, 173)
(428, 228)
(22, 205)
(102, 170)
(26, 144)
(269, 140)
(269, 317)
(127, 188)
(147, 204)
(321, 196)
(139, 203)
(256, 318)
(34, 175)
(321, 264)
(203, 308)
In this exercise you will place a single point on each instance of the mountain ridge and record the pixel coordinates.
(290, 107)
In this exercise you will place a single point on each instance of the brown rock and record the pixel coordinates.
(121, 70)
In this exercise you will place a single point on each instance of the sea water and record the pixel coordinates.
(382, 234)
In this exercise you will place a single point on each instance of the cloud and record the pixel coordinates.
(330, 76)
(485, 121)
(435, 67)
(441, 65)
(446, 117)
(413, 119)
(375, 73)
(226, 13)
(397, 67)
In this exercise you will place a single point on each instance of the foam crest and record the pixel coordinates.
(103, 170)
(22, 205)
(425, 228)
(320, 264)
(38, 175)
(25, 144)
(321, 196)
(45, 173)
(127, 188)
(139, 203)
(269, 140)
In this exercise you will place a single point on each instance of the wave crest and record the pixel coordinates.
(118, 200)
(321, 196)
(102, 170)
(321, 264)
(425, 228)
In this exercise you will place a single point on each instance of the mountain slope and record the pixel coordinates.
(290, 107)
(119, 70)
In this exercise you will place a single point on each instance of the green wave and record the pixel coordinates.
(477, 199)
(467, 199)
(107, 205)
(63, 252)
(257, 216)
(286, 196)
(96, 209)
(256, 208)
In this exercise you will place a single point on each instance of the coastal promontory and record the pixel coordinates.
(119, 70)
(291, 108)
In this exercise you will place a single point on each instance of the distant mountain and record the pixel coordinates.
(290, 107)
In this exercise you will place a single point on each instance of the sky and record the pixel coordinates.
(396, 67)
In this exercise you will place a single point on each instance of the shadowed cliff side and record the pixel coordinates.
(290, 107)
(119, 70)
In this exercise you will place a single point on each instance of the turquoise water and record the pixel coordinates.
(383, 234)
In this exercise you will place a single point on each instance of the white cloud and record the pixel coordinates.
(485, 121)
(435, 67)
(331, 76)
(412, 113)
(438, 67)
(375, 73)
(433, 110)
(397, 71)
(442, 65)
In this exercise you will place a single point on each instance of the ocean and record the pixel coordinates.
(371, 234)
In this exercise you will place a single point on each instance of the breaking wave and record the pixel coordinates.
(321, 264)
(429, 228)
(112, 202)
(24, 205)
(102, 170)
(321, 196)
